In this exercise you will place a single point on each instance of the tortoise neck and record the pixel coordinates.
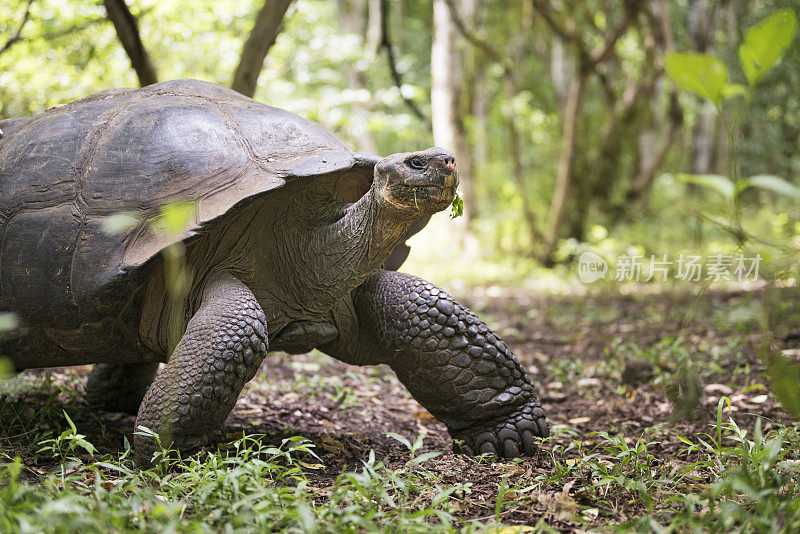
(377, 226)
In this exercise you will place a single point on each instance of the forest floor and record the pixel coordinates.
(631, 385)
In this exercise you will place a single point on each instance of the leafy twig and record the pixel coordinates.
(18, 34)
(396, 76)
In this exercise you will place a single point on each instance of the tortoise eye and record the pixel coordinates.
(416, 163)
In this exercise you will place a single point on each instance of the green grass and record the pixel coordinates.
(249, 486)
(724, 480)
(722, 469)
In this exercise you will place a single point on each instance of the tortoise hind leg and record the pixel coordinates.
(450, 362)
(120, 387)
(221, 350)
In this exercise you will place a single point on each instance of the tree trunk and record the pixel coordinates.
(702, 27)
(373, 38)
(351, 18)
(565, 169)
(266, 28)
(652, 150)
(444, 78)
(475, 81)
(480, 114)
(128, 34)
(448, 129)
(516, 160)
(704, 137)
(561, 68)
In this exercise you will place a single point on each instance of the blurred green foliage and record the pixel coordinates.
(68, 50)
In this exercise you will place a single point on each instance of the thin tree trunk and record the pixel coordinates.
(519, 169)
(480, 138)
(702, 26)
(373, 38)
(266, 28)
(652, 156)
(386, 42)
(351, 18)
(448, 129)
(473, 81)
(643, 181)
(511, 81)
(703, 144)
(561, 68)
(564, 171)
(480, 114)
(128, 33)
(587, 65)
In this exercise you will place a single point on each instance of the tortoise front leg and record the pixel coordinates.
(450, 362)
(221, 350)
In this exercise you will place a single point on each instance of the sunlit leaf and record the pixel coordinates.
(6, 368)
(457, 207)
(175, 218)
(399, 438)
(702, 74)
(766, 42)
(311, 466)
(511, 530)
(771, 183)
(425, 456)
(734, 89)
(714, 182)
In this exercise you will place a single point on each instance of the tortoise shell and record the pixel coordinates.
(62, 173)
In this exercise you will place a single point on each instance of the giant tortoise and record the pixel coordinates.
(287, 250)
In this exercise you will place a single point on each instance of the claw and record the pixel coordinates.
(488, 448)
(511, 437)
(510, 449)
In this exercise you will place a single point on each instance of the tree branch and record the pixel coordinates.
(476, 41)
(128, 34)
(88, 23)
(18, 34)
(599, 54)
(386, 43)
(262, 37)
(544, 9)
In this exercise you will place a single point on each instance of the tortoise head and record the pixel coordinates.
(417, 183)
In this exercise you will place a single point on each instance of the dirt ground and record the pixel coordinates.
(582, 354)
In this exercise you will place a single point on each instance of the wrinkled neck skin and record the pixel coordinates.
(316, 250)
(371, 228)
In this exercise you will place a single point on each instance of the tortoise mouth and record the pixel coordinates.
(426, 197)
(445, 181)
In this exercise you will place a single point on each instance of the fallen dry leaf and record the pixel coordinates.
(579, 420)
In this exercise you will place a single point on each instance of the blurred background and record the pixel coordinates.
(568, 131)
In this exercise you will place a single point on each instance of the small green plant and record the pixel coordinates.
(8, 321)
(414, 447)
(755, 487)
(67, 444)
(708, 77)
